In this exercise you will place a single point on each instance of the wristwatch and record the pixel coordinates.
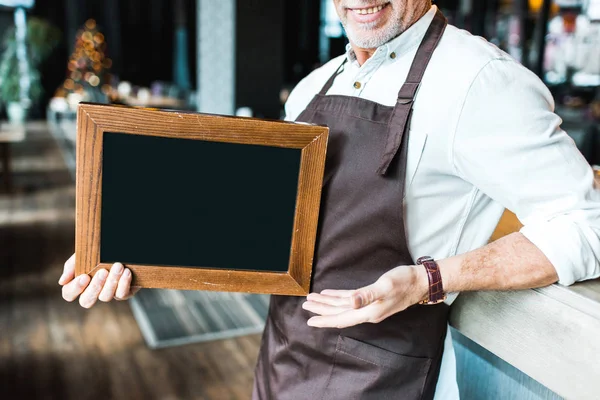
(436, 289)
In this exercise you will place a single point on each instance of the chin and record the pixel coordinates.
(370, 38)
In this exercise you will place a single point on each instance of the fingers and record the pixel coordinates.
(68, 271)
(345, 319)
(330, 300)
(73, 289)
(124, 289)
(338, 293)
(344, 308)
(323, 309)
(373, 293)
(349, 298)
(365, 296)
(90, 295)
(104, 286)
(110, 286)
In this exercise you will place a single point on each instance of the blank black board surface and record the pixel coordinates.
(191, 203)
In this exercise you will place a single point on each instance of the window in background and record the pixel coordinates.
(332, 40)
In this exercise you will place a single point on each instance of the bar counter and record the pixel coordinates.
(550, 334)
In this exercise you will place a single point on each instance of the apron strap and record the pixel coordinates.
(400, 120)
(329, 83)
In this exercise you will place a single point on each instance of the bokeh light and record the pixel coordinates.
(94, 80)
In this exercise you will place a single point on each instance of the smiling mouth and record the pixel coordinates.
(368, 10)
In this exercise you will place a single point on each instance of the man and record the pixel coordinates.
(433, 132)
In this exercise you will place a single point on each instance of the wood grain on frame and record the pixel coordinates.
(93, 120)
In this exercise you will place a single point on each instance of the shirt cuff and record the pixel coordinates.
(561, 245)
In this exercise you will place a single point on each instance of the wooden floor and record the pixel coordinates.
(50, 349)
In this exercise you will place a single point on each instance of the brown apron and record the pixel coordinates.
(361, 236)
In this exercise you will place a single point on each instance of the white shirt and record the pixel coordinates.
(483, 138)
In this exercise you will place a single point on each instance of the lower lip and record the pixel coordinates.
(365, 18)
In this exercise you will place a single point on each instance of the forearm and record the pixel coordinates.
(510, 263)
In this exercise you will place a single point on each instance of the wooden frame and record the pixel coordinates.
(94, 120)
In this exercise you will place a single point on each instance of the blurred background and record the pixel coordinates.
(227, 57)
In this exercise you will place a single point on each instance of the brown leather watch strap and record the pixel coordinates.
(436, 289)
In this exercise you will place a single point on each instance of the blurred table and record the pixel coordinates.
(9, 134)
(63, 128)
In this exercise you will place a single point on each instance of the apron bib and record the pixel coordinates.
(361, 236)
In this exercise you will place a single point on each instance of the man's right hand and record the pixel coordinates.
(104, 286)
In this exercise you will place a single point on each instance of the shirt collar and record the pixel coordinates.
(405, 41)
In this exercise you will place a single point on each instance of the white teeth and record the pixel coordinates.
(364, 11)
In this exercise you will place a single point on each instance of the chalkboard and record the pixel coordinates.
(197, 201)
(201, 214)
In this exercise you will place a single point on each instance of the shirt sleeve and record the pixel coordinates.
(291, 111)
(299, 97)
(508, 143)
(306, 89)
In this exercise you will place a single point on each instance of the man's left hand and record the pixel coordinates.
(393, 292)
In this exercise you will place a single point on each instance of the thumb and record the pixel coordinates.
(365, 296)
